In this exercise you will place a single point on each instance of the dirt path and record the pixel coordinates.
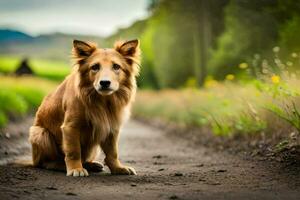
(168, 168)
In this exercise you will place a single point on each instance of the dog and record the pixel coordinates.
(87, 110)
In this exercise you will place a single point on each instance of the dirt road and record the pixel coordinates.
(168, 168)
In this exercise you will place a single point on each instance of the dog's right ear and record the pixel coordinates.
(83, 49)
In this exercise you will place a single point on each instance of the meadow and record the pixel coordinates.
(20, 96)
(264, 98)
(227, 108)
(54, 70)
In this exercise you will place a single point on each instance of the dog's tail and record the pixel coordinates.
(21, 163)
(43, 145)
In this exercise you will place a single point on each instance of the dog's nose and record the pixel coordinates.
(105, 84)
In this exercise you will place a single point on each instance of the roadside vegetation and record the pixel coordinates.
(264, 101)
(21, 95)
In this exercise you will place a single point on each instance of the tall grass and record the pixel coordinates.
(20, 95)
(266, 94)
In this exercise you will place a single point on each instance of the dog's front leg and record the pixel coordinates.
(72, 150)
(110, 148)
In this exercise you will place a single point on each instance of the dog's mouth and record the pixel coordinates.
(105, 91)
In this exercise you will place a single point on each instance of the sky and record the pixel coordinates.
(88, 17)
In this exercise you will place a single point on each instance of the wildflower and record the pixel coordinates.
(275, 79)
(243, 65)
(229, 77)
(210, 82)
(294, 55)
(289, 63)
(276, 49)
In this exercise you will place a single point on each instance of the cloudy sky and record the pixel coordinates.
(95, 17)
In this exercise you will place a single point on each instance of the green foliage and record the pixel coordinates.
(18, 96)
(12, 103)
(227, 108)
(3, 119)
(289, 113)
(52, 70)
(218, 107)
(188, 38)
(289, 35)
(32, 96)
(249, 29)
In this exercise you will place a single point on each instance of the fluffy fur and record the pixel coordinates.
(80, 115)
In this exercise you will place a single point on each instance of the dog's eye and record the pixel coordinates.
(95, 67)
(116, 67)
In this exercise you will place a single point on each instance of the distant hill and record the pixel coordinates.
(51, 46)
(7, 35)
(58, 45)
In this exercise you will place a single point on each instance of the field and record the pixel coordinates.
(49, 69)
(21, 95)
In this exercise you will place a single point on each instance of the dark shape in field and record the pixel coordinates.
(24, 68)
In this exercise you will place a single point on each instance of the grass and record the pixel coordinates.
(20, 95)
(263, 97)
(227, 108)
(49, 69)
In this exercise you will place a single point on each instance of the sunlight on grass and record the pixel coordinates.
(227, 108)
(50, 69)
(19, 95)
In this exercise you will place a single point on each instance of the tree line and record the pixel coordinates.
(184, 40)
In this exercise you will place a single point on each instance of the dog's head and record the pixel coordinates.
(106, 69)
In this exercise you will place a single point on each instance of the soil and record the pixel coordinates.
(168, 167)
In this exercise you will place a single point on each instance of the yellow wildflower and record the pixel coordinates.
(210, 83)
(229, 77)
(191, 82)
(243, 65)
(275, 79)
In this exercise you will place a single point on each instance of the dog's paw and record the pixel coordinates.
(93, 166)
(124, 170)
(77, 172)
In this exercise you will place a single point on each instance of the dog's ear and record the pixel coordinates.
(130, 50)
(83, 49)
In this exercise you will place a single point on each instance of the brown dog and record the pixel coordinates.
(87, 110)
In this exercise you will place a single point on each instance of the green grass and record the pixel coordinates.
(263, 98)
(18, 96)
(227, 108)
(50, 69)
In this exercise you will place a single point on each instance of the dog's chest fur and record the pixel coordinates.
(105, 117)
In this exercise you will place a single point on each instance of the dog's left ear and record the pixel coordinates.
(129, 49)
